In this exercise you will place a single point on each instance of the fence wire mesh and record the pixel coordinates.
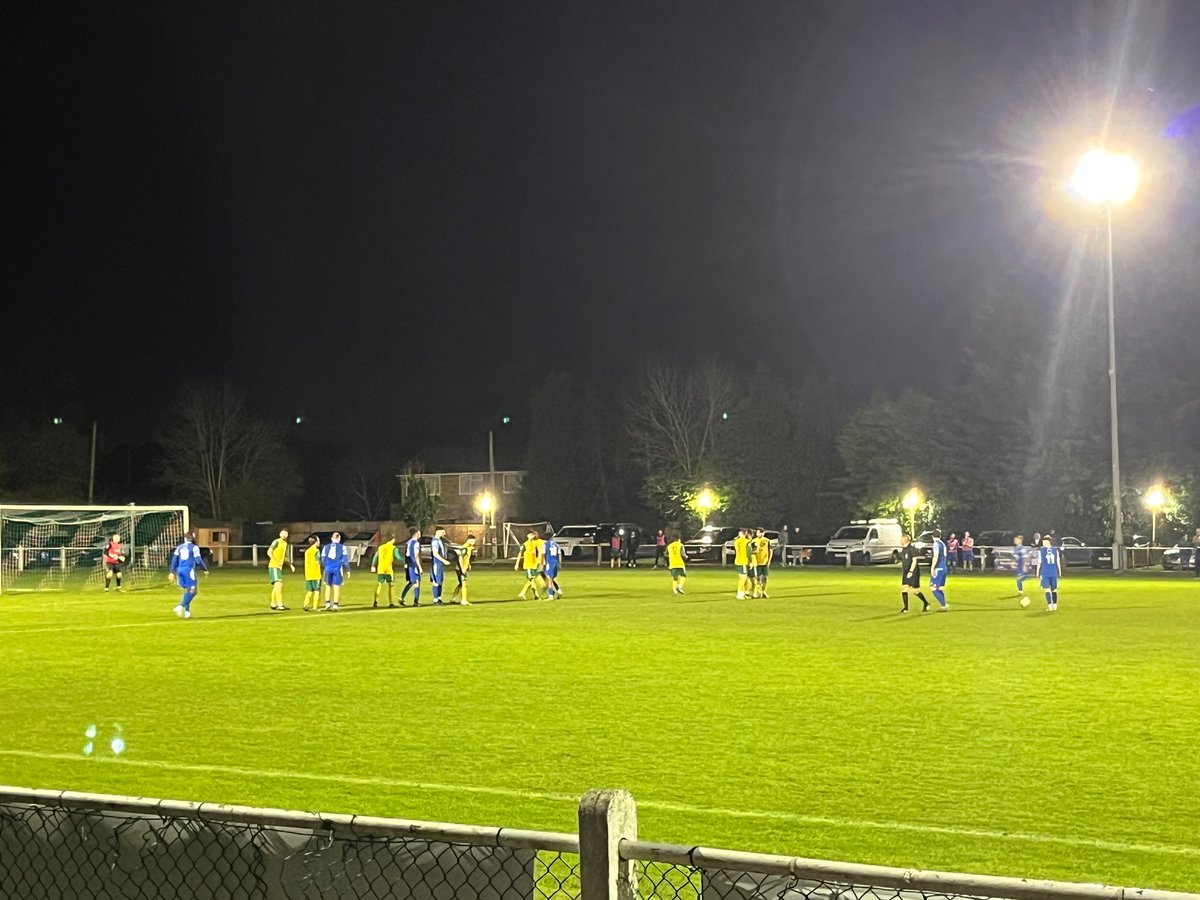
(58, 852)
(669, 881)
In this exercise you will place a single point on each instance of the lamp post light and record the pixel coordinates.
(1109, 179)
(1154, 502)
(910, 502)
(486, 505)
(705, 501)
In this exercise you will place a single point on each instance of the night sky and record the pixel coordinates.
(393, 218)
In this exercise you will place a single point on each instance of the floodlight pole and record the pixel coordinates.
(1118, 538)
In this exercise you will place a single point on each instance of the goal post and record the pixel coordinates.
(514, 534)
(49, 548)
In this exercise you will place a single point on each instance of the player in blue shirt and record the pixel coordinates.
(438, 560)
(335, 561)
(183, 572)
(552, 558)
(1048, 559)
(939, 568)
(412, 567)
(1021, 554)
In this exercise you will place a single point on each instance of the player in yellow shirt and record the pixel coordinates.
(312, 574)
(741, 560)
(383, 564)
(530, 559)
(677, 564)
(276, 556)
(760, 549)
(462, 568)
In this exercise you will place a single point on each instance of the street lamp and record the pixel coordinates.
(704, 502)
(910, 502)
(1154, 502)
(485, 504)
(1109, 179)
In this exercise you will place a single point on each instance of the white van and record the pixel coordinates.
(866, 541)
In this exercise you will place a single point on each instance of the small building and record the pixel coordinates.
(459, 493)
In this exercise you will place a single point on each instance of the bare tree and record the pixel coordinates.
(218, 456)
(366, 486)
(673, 417)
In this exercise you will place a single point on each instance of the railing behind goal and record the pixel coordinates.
(47, 548)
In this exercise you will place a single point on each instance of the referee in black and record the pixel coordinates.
(910, 575)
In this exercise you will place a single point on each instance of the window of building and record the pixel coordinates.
(512, 483)
(433, 483)
(471, 483)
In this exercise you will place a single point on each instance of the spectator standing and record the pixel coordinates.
(614, 551)
(784, 538)
(968, 551)
(953, 552)
(660, 547)
(632, 541)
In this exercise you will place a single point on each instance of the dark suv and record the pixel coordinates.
(988, 542)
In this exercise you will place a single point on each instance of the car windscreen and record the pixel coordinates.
(851, 534)
(711, 535)
(572, 532)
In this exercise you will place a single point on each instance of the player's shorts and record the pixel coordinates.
(437, 575)
(462, 576)
(532, 573)
(114, 567)
(678, 573)
(761, 570)
(913, 580)
(551, 571)
(741, 569)
(937, 578)
(186, 580)
(333, 577)
(413, 574)
(274, 575)
(313, 584)
(1049, 582)
(384, 578)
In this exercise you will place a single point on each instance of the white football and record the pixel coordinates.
(1024, 601)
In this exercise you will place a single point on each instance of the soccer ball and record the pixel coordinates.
(1024, 601)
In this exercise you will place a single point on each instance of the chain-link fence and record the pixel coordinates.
(116, 847)
(66, 846)
(666, 872)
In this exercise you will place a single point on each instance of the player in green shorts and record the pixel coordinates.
(382, 564)
(275, 560)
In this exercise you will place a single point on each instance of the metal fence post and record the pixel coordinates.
(605, 819)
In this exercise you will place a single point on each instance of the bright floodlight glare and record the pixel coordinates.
(1103, 177)
(705, 500)
(1154, 499)
(484, 503)
(912, 499)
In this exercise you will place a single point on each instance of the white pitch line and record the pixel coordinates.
(663, 805)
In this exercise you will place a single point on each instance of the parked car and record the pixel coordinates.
(709, 542)
(1074, 552)
(573, 538)
(988, 543)
(360, 545)
(771, 535)
(924, 546)
(866, 542)
(1179, 556)
(645, 539)
(1101, 556)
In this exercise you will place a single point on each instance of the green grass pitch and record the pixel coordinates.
(818, 723)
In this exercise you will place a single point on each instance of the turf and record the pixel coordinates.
(819, 723)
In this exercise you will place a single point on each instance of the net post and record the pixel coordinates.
(606, 818)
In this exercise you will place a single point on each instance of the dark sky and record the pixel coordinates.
(390, 217)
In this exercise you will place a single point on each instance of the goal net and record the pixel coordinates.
(47, 548)
(514, 534)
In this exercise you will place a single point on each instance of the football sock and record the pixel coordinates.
(904, 599)
(921, 597)
(938, 595)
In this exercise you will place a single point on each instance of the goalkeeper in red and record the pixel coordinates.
(114, 557)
